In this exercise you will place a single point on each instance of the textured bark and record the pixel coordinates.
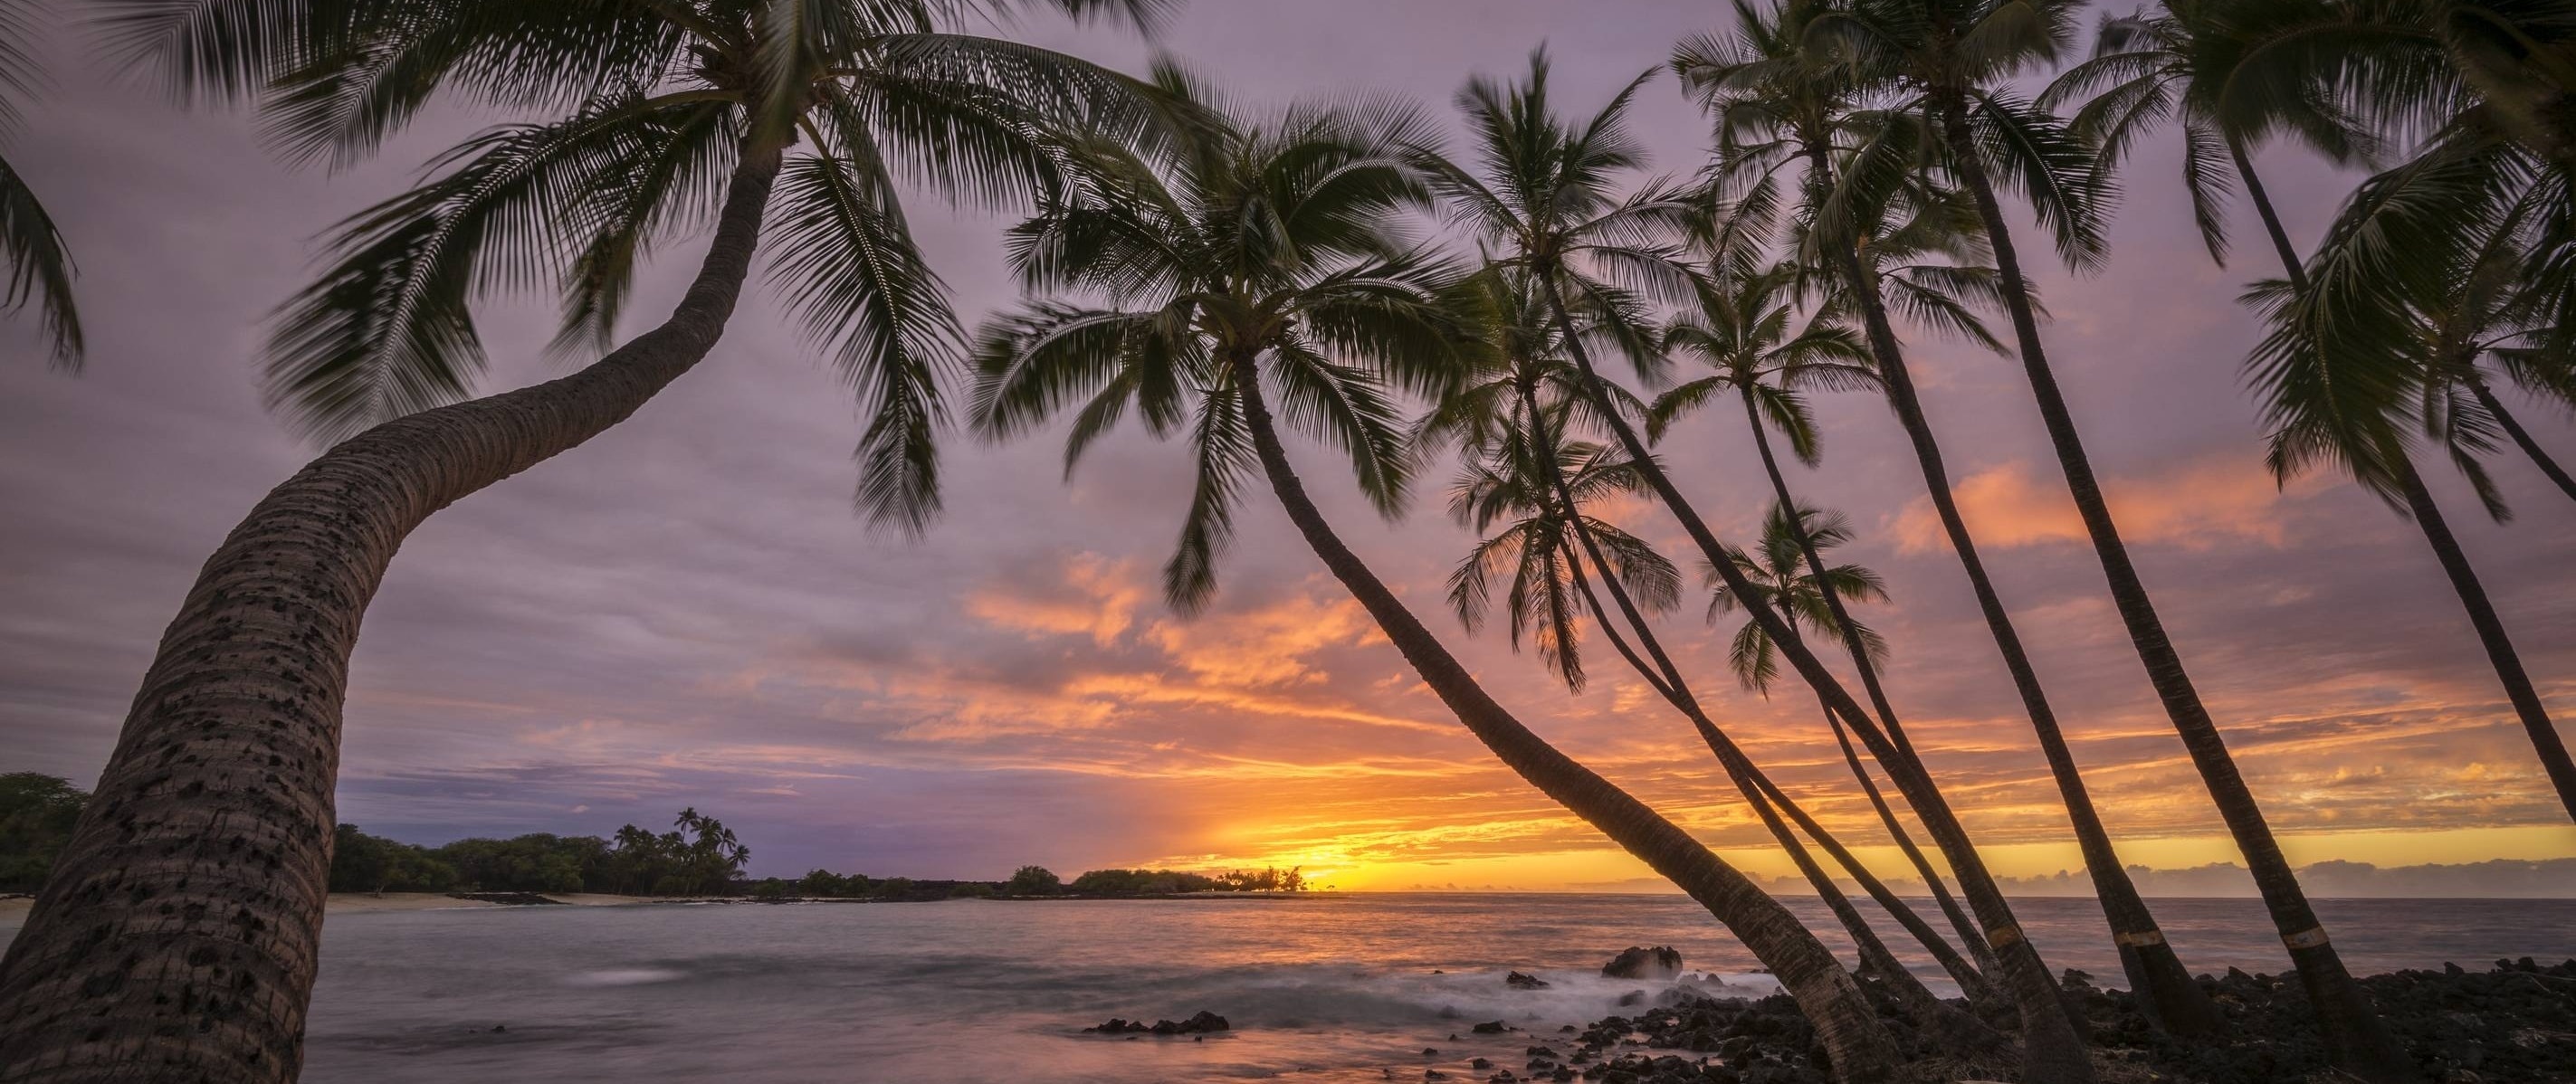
(1870, 683)
(1861, 1049)
(2491, 634)
(2168, 994)
(2355, 1037)
(176, 938)
(2052, 1050)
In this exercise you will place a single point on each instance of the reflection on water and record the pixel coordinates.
(1320, 989)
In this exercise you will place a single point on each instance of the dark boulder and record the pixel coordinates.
(1519, 981)
(1202, 1024)
(1644, 963)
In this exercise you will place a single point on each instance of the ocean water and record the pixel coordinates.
(1330, 988)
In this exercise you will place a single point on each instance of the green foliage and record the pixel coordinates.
(36, 816)
(642, 113)
(702, 858)
(1033, 881)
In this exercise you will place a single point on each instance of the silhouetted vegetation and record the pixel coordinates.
(36, 815)
(700, 856)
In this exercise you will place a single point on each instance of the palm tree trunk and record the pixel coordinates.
(1870, 684)
(1959, 920)
(2446, 547)
(2500, 652)
(176, 937)
(1861, 1049)
(2355, 1037)
(2052, 1049)
(1959, 1032)
(2167, 993)
(2521, 437)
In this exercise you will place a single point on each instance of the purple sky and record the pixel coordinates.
(685, 611)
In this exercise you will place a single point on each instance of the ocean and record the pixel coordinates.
(1323, 989)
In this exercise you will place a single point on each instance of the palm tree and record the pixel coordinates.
(1742, 330)
(2230, 74)
(1778, 106)
(40, 268)
(2343, 386)
(179, 927)
(1542, 198)
(1265, 263)
(1532, 481)
(1951, 60)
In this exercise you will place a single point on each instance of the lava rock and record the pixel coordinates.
(1644, 963)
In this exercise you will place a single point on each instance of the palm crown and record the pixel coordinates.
(40, 267)
(2217, 72)
(1778, 573)
(651, 105)
(1269, 249)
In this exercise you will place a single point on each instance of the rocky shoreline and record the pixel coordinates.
(2514, 1022)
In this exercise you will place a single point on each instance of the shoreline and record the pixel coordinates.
(14, 908)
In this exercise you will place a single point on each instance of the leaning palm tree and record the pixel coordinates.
(1528, 488)
(40, 268)
(177, 933)
(1745, 330)
(1949, 64)
(1542, 197)
(2479, 210)
(2363, 351)
(1779, 104)
(1265, 266)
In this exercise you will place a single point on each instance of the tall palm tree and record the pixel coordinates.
(1542, 197)
(1951, 62)
(1742, 329)
(40, 267)
(2345, 387)
(1265, 264)
(177, 934)
(1778, 106)
(1525, 474)
(2478, 202)
(2190, 64)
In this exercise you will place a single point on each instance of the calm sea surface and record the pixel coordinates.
(1322, 989)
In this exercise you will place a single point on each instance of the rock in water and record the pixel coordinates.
(1519, 981)
(1644, 963)
(1203, 1023)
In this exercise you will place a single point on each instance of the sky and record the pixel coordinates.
(685, 611)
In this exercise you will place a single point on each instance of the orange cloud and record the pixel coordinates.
(1100, 602)
(2201, 504)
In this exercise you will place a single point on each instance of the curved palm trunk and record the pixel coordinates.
(1861, 1049)
(1870, 683)
(2491, 634)
(176, 938)
(2357, 1040)
(2171, 999)
(2446, 548)
(1955, 1030)
(2052, 1049)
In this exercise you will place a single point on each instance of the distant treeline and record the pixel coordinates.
(1029, 882)
(36, 815)
(698, 857)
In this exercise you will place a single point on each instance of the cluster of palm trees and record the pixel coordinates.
(1217, 272)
